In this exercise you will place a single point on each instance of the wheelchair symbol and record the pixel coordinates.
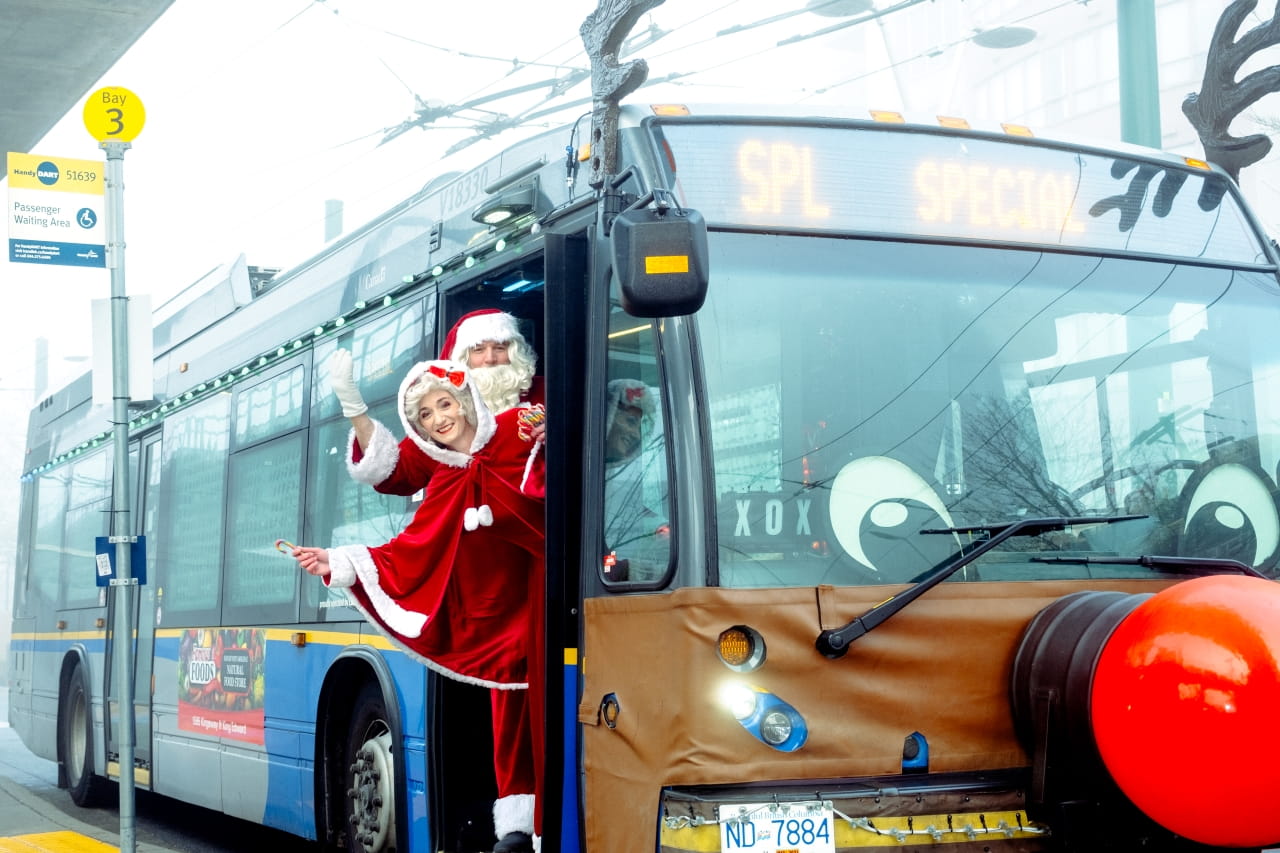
(86, 218)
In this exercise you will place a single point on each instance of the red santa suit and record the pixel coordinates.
(460, 587)
(403, 468)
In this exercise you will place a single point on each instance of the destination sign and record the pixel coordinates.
(887, 180)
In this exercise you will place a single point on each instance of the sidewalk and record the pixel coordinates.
(30, 825)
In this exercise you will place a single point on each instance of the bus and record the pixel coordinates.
(950, 514)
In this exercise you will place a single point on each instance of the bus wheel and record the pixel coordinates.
(371, 795)
(75, 739)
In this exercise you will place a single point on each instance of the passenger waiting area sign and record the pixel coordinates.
(56, 211)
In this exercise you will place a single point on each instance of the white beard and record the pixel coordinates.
(500, 386)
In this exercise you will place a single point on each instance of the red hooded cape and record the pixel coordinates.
(460, 599)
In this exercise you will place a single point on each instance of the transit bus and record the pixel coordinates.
(953, 519)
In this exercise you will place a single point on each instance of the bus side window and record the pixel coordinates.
(264, 497)
(637, 506)
(23, 596)
(88, 500)
(192, 494)
(339, 510)
(150, 494)
(70, 511)
(46, 555)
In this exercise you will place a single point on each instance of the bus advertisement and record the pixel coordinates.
(908, 485)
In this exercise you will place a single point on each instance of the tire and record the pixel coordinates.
(75, 743)
(369, 806)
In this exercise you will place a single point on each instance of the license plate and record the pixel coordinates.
(777, 828)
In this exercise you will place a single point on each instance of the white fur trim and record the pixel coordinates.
(379, 459)
(537, 844)
(342, 571)
(498, 327)
(513, 813)
(430, 664)
(349, 555)
(404, 622)
(486, 426)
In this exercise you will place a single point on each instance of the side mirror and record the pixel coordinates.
(660, 258)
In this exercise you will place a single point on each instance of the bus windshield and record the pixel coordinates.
(861, 391)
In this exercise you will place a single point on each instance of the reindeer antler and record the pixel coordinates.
(603, 32)
(1221, 98)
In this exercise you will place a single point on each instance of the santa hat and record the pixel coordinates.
(487, 324)
(625, 393)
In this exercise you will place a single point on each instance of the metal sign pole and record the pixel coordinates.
(114, 116)
(121, 534)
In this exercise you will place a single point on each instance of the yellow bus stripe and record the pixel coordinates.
(285, 635)
(61, 635)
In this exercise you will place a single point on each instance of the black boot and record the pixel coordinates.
(515, 842)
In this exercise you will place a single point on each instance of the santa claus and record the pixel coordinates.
(460, 588)
(502, 366)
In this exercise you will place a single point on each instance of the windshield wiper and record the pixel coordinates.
(834, 643)
(1182, 565)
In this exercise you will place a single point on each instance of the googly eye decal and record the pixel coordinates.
(1231, 513)
(878, 508)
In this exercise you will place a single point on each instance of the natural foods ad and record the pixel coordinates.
(221, 682)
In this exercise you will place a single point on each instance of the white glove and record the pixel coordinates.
(344, 385)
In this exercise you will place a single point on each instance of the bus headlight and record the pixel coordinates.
(766, 717)
(740, 700)
(775, 728)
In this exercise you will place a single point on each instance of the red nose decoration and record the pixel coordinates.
(1186, 709)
